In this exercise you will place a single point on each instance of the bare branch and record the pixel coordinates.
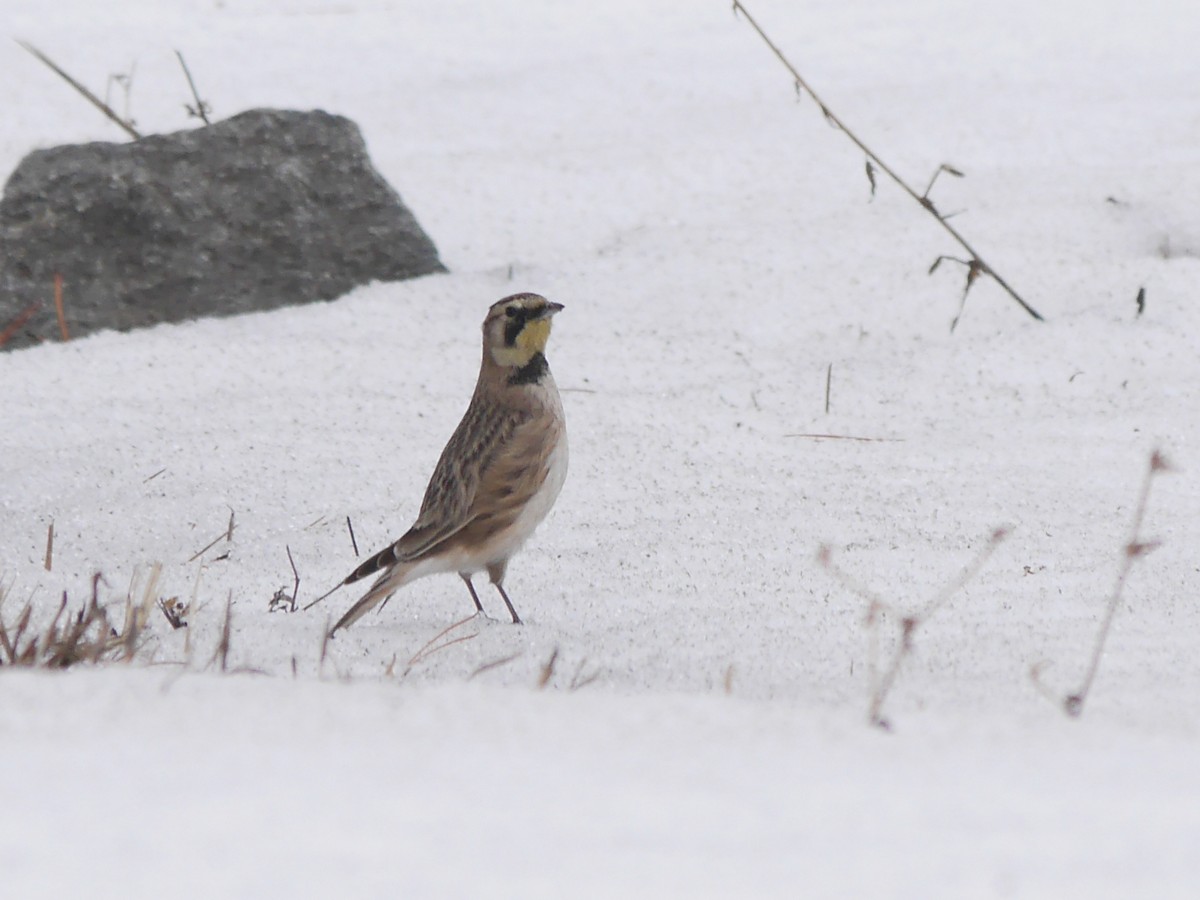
(923, 200)
(58, 307)
(845, 437)
(88, 95)
(495, 664)
(1134, 549)
(944, 167)
(226, 536)
(432, 646)
(548, 670)
(878, 609)
(18, 322)
(201, 109)
(296, 573)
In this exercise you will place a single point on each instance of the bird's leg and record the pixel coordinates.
(470, 587)
(516, 620)
(496, 574)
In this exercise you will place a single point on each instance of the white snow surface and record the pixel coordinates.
(703, 730)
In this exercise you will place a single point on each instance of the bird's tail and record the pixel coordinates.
(386, 585)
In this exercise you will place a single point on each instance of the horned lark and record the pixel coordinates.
(499, 474)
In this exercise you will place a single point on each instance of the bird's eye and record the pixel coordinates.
(511, 312)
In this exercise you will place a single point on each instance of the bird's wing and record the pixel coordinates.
(513, 480)
(481, 437)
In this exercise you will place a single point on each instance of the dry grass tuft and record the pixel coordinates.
(89, 635)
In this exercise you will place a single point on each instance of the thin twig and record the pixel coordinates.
(18, 322)
(944, 167)
(845, 437)
(324, 648)
(429, 647)
(1135, 548)
(201, 108)
(877, 608)
(207, 547)
(313, 603)
(548, 670)
(967, 574)
(296, 573)
(803, 86)
(88, 95)
(496, 663)
(580, 681)
(222, 652)
(50, 546)
(136, 615)
(883, 686)
(226, 535)
(353, 542)
(58, 307)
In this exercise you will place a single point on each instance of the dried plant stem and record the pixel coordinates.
(88, 95)
(324, 649)
(976, 265)
(295, 572)
(58, 307)
(883, 686)
(1134, 549)
(877, 609)
(137, 614)
(580, 680)
(18, 322)
(495, 664)
(201, 108)
(226, 535)
(87, 636)
(313, 603)
(432, 646)
(548, 670)
(221, 654)
(817, 436)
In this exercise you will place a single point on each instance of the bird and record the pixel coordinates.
(497, 477)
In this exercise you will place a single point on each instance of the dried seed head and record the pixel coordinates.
(1137, 549)
(1159, 463)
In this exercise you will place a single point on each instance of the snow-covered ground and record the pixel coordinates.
(703, 729)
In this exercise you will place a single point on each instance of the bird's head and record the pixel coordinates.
(516, 329)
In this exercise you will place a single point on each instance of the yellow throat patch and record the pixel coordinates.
(530, 341)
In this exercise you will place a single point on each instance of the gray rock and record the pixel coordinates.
(269, 208)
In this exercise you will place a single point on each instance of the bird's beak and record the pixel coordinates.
(552, 309)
